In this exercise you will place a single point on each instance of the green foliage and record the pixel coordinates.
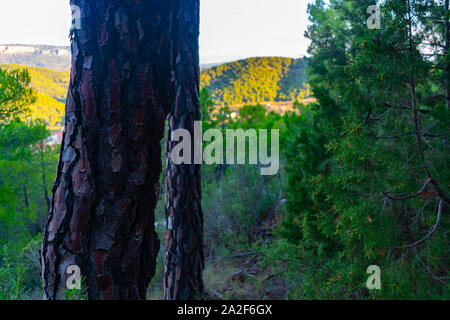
(359, 160)
(15, 93)
(76, 294)
(236, 199)
(27, 165)
(303, 146)
(235, 204)
(26, 171)
(11, 286)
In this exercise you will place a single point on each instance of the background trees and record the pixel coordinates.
(26, 169)
(15, 93)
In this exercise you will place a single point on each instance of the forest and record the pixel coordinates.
(363, 181)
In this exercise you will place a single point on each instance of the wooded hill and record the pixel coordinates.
(51, 90)
(256, 80)
(249, 81)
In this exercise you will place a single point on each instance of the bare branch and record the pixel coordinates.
(432, 231)
(403, 198)
(395, 136)
(435, 277)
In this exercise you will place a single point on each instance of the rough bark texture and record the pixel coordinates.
(104, 195)
(184, 260)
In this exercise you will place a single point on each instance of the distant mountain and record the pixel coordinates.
(44, 56)
(257, 80)
(208, 65)
(50, 57)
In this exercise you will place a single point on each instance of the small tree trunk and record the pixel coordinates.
(106, 189)
(44, 179)
(184, 260)
(25, 191)
(447, 48)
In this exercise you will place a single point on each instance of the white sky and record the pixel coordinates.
(230, 29)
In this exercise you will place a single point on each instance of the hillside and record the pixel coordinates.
(51, 87)
(256, 80)
(253, 80)
(249, 81)
(49, 82)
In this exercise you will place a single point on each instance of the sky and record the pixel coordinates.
(229, 30)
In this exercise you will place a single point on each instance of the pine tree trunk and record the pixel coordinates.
(184, 260)
(106, 189)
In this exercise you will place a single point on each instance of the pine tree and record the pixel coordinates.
(381, 193)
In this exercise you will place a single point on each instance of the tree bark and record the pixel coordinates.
(106, 189)
(184, 259)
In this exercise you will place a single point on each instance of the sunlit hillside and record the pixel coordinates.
(272, 81)
(49, 82)
(51, 90)
(257, 80)
(51, 111)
